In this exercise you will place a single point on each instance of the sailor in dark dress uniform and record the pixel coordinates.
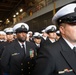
(18, 58)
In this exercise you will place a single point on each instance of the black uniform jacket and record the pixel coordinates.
(15, 62)
(2, 46)
(57, 59)
(46, 42)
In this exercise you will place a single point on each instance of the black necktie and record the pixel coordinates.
(74, 49)
(23, 48)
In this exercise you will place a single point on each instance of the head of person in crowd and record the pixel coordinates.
(44, 34)
(9, 34)
(58, 34)
(21, 30)
(28, 37)
(14, 34)
(37, 38)
(51, 31)
(30, 34)
(65, 18)
(60, 53)
(2, 36)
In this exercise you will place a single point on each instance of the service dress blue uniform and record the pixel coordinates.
(17, 62)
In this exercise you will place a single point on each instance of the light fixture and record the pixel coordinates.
(17, 13)
(1, 21)
(21, 10)
(14, 15)
(7, 19)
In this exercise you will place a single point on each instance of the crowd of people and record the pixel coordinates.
(50, 51)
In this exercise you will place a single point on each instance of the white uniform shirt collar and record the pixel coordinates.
(52, 40)
(21, 44)
(38, 45)
(44, 38)
(70, 45)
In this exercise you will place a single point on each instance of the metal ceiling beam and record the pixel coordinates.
(13, 9)
(5, 5)
(14, 1)
(4, 10)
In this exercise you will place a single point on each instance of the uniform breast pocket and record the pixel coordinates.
(68, 73)
(15, 55)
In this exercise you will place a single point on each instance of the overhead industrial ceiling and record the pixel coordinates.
(9, 7)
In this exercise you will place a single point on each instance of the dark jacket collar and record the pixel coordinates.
(68, 54)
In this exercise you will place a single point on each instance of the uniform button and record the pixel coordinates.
(28, 62)
(29, 72)
(32, 64)
(21, 63)
(21, 69)
(36, 54)
(28, 67)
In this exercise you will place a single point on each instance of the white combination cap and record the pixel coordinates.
(21, 27)
(37, 35)
(68, 12)
(2, 33)
(30, 32)
(43, 31)
(51, 28)
(8, 30)
(58, 32)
